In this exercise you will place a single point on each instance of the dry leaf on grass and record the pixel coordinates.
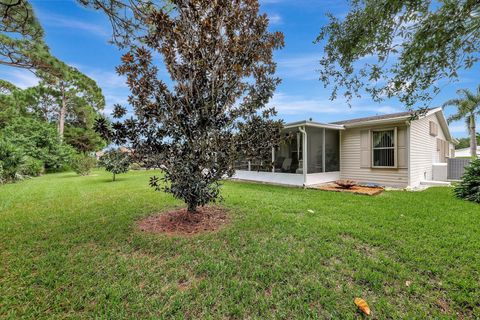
(362, 305)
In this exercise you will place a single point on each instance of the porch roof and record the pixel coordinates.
(307, 123)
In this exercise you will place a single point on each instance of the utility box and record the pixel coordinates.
(439, 172)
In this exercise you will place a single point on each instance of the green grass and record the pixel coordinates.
(69, 249)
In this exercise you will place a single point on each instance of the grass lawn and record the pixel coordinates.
(69, 249)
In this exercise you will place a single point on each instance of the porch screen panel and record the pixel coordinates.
(315, 150)
(288, 153)
(332, 150)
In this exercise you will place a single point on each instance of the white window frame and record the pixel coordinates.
(395, 148)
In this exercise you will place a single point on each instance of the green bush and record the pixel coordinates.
(11, 159)
(39, 140)
(32, 167)
(83, 164)
(469, 187)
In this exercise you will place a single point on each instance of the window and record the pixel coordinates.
(383, 148)
(433, 129)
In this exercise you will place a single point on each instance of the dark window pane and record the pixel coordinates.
(384, 157)
(384, 139)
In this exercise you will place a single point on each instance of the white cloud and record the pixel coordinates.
(113, 87)
(275, 18)
(67, 22)
(22, 78)
(458, 127)
(299, 67)
(301, 106)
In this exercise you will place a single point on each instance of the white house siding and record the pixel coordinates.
(423, 149)
(350, 166)
(290, 179)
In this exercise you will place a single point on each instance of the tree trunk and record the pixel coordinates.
(473, 137)
(63, 111)
(192, 208)
(114, 177)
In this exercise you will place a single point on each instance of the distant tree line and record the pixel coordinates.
(42, 128)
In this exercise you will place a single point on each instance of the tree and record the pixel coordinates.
(115, 162)
(464, 143)
(82, 102)
(127, 17)
(219, 55)
(22, 42)
(413, 45)
(468, 108)
(76, 94)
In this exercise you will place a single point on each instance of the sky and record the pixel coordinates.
(79, 37)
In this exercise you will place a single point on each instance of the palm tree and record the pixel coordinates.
(468, 108)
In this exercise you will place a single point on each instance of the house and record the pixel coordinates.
(465, 153)
(396, 150)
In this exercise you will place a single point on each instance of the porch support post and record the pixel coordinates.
(273, 159)
(304, 154)
(323, 151)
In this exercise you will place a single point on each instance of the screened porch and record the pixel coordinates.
(309, 154)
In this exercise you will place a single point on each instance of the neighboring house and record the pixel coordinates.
(389, 150)
(465, 153)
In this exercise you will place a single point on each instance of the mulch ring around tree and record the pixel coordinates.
(181, 222)
(370, 191)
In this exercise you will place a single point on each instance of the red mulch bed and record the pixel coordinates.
(370, 191)
(181, 222)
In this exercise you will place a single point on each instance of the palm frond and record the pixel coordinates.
(455, 117)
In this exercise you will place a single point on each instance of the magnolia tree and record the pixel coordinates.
(219, 55)
(115, 162)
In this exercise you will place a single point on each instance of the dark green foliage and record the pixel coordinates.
(469, 187)
(83, 164)
(115, 162)
(22, 42)
(83, 139)
(402, 49)
(39, 140)
(11, 161)
(32, 167)
(219, 55)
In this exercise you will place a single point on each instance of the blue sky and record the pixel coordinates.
(80, 37)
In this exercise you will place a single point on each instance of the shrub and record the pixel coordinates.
(135, 166)
(39, 140)
(11, 159)
(83, 164)
(115, 162)
(469, 187)
(32, 167)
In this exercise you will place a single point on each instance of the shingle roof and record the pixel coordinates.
(381, 117)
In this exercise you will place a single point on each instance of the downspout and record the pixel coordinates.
(409, 160)
(304, 155)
